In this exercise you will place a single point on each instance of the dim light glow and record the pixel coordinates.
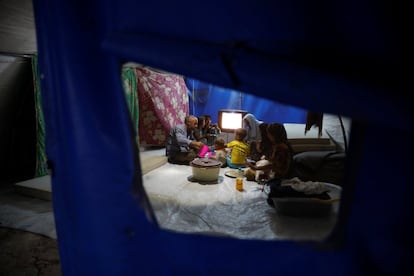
(231, 120)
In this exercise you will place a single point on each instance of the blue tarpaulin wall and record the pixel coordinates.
(336, 57)
(206, 98)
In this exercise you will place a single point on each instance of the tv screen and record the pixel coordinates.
(229, 119)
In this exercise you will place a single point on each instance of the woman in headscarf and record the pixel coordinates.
(251, 124)
(253, 138)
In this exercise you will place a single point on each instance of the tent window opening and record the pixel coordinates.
(159, 100)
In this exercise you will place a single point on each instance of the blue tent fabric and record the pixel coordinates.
(206, 98)
(339, 57)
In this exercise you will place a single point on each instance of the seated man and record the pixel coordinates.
(181, 146)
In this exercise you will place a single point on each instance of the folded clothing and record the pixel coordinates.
(301, 199)
(289, 191)
(295, 188)
(306, 187)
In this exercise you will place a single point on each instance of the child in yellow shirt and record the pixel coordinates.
(239, 150)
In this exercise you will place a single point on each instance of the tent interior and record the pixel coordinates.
(217, 209)
(87, 114)
(325, 151)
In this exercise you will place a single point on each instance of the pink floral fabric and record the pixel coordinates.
(163, 103)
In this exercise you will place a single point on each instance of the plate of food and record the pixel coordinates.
(234, 173)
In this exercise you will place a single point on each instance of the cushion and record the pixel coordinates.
(324, 166)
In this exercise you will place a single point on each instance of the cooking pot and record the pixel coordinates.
(205, 169)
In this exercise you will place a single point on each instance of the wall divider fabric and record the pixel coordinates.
(129, 82)
(41, 159)
(163, 103)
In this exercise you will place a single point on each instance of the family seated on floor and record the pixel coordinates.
(262, 148)
(258, 146)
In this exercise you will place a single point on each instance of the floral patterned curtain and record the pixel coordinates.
(163, 103)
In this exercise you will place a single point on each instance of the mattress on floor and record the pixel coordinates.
(149, 163)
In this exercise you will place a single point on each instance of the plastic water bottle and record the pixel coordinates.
(239, 180)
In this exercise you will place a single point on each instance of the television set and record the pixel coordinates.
(230, 119)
